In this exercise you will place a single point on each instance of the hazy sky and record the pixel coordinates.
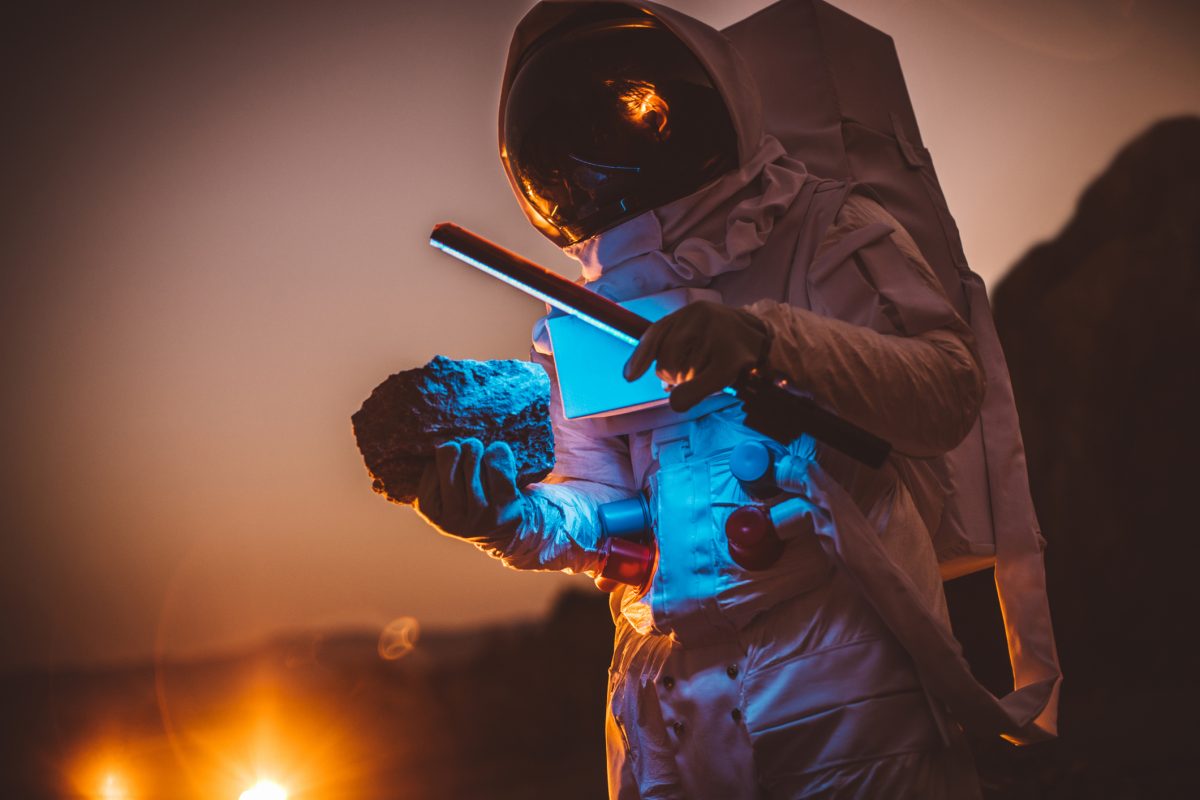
(215, 247)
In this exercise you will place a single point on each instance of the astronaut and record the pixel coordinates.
(632, 136)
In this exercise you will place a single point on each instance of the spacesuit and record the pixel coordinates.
(798, 679)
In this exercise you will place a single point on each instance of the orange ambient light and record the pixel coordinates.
(264, 790)
(112, 787)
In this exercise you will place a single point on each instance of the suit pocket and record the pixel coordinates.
(856, 701)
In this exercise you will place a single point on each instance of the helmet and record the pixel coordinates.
(610, 118)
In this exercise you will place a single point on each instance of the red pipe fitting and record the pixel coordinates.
(753, 541)
(626, 562)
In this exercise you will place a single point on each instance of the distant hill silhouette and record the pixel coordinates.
(510, 712)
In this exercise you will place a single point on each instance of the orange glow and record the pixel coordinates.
(645, 106)
(101, 772)
(113, 788)
(543, 207)
(264, 790)
(258, 730)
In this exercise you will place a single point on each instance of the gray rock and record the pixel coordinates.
(414, 411)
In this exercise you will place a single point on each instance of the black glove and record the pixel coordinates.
(471, 492)
(700, 349)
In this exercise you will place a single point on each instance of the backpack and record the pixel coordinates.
(834, 94)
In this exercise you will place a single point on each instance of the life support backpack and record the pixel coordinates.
(834, 94)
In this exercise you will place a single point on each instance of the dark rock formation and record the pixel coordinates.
(412, 412)
(1101, 327)
(1102, 332)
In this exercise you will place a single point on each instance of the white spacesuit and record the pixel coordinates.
(822, 674)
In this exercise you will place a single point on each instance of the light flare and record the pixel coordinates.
(113, 788)
(264, 790)
(398, 638)
(101, 771)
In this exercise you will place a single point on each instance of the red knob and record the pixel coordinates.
(626, 562)
(753, 542)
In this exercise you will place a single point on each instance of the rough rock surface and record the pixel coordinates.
(412, 412)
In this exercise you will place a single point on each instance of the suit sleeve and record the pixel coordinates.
(882, 346)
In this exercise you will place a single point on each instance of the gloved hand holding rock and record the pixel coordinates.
(701, 348)
(471, 491)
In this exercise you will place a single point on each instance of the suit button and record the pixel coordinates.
(736, 714)
(678, 728)
(668, 682)
(732, 670)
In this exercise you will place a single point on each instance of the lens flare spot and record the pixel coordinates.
(398, 638)
(264, 790)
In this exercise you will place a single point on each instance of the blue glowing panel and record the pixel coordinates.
(589, 361)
